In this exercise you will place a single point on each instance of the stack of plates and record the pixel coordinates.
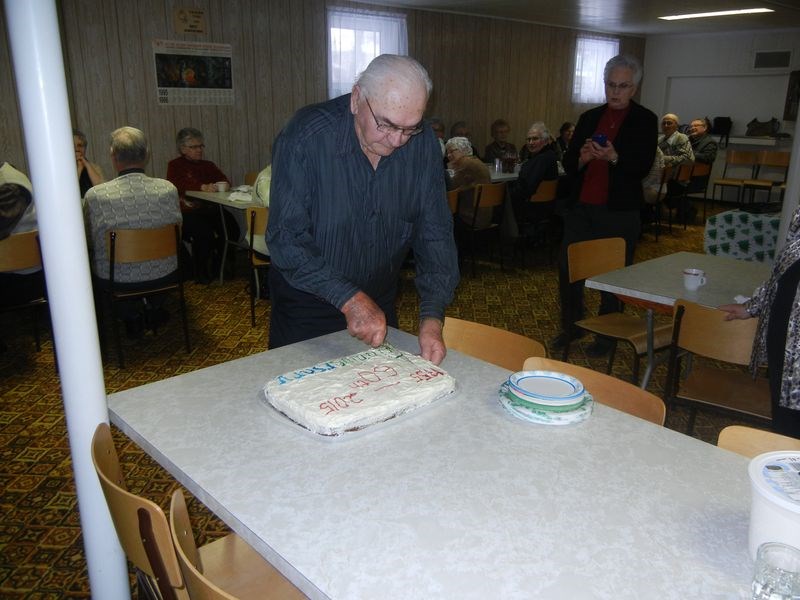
(546, 397)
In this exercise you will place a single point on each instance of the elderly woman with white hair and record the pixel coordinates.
(467, 169)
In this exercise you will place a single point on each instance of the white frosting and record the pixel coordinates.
(350, 393)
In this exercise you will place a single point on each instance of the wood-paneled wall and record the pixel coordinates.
(482, 69)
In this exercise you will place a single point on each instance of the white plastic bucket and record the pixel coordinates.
(775, 510)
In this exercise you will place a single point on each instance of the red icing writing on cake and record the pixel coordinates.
(339, 402)
(421, 375)
(366, 378)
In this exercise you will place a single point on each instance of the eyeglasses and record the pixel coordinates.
(668, 122)
(532, 139)
(619, 86)
(196, 146)
(390, 127)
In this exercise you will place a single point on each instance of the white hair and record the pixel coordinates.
(406, 69)
(461, 144)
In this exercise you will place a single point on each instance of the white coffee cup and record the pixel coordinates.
(222, 186)
(693, 279)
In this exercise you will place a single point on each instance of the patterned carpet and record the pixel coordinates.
(41, 553)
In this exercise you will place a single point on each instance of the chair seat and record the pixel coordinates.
(733, 182)
(630, 328)
(233, 565)
(760, 183)
(729, 390)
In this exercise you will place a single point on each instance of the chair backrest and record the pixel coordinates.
(546, 192)
(199, 586)
(704, 331)
(774, 158)
(492, 344)
(257, 218)
(594, 257)
(607, 390)
(742, 158)
(683, 172)
(488, 195)
(138, 245)
(452, 201)
(20, 251)
(141, 525)
(750, 442)
(701, 169)
(250, 177)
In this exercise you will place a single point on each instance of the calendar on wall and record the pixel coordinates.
(196, 73)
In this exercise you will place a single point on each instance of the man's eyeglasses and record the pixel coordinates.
(532, 138)
(619, 86)
(668, 122)
(196, 146)
(391, 128)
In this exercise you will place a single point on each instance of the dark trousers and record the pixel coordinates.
(296, 316)
(591, 222)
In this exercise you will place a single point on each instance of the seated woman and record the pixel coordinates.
(564, 136)
(540, 165)
(500, 148)
(466, 170)
(89, 174)
(17, 215)
(202, 226)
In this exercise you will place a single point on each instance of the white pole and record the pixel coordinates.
(791, 198)
(41, 87)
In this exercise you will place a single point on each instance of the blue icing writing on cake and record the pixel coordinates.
(348, 394)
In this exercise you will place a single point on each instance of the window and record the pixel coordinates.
(591, 56)
(356, 37)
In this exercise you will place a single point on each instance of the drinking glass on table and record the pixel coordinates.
(777, 572)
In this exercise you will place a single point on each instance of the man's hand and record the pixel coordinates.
(735, 311)
(365, 319)
(431, 344)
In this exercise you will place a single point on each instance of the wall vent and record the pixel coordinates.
(773, 60)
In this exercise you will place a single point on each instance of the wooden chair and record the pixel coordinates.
(607, 390)
(751, 442)
(492, 344)
(139, 245)
(704, 332)
(237, 579)
(539, 229)
(682, 175)
(769, 159)
(655, 200)
(735, 158)
(18, 252)
(594, 257)
(452, 201)
(146, 539)
(250, 177)
(488, 196)
(257, 217)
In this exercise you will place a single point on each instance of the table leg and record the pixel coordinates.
(651, 358)
(224, 245)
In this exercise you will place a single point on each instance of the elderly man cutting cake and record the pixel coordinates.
(357, 183)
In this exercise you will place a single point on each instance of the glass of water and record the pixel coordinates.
(777, 572)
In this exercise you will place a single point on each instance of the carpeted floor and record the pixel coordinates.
(41, 553)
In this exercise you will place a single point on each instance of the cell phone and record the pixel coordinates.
(601, 139)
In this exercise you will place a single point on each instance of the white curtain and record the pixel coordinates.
(356, 37)
(591, 55)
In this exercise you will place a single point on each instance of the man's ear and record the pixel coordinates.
(355, 96)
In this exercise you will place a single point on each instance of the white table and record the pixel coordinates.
(498, 177)
(223, 199)
(458, 500)
(660, 281)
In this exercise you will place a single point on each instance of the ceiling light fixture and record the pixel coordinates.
(719, 13)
